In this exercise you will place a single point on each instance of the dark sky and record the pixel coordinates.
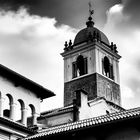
(132, 9)
(70, 12)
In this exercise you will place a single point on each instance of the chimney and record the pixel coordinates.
(80, 105)
(75, 111)
(81, 97)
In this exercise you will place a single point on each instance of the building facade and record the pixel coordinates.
(92, 101)
(91, 64)
(19, 104)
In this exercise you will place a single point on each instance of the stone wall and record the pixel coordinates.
(108, 88)
(87, 83)
(95, 85)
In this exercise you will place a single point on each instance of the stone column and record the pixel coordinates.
(34, 117)
(12, 111)
(24, 116)
(1, 106)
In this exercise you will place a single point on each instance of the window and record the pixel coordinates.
(8, 107)
(31, 120)
(107, 68)
(79, 67)
(20, 109)
(74, 69)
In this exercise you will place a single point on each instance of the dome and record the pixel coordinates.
(83, 35)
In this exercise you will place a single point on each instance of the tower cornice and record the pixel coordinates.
(88, 46)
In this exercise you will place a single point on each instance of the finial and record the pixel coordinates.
(70, 43)
(90, 23)
(66, 46)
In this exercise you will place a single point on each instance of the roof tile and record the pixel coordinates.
(126, 114)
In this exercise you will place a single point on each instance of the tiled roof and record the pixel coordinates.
(56, 111)
(70, 108)
(91, 122)
(115, 106)
(108, 102)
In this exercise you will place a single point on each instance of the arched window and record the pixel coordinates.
(107, 68)
(8, 106)
(79, 67)
(20, 109)
(31, 115)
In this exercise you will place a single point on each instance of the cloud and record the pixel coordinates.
(125, 34)
(127, 14)
(31, 45)
(127, 92)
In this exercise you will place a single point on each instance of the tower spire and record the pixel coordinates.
(90, 23)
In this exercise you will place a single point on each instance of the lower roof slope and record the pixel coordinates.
(15, 125)
(91, 122)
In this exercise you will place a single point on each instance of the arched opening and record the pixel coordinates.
(79, 67)
(31, 120)
(107, 68)
(8, 110)
(20, 109)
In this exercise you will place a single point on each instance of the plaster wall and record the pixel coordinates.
(18, 92)
(93, 109)
(57, 120)
(84, 110)
(99, 108)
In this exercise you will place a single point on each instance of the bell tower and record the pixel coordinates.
(91, 63)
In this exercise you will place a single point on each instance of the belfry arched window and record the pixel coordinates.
(79, 67)
(107, 68)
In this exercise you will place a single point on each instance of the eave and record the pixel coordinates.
(22, 81)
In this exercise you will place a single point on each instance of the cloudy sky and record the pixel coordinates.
(33, 32)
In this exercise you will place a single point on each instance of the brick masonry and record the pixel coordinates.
(95, 85)
(109, 89)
